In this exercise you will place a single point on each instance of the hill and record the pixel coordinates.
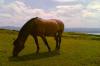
(10, 28)
(77, 49)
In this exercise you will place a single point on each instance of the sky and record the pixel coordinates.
(74, 13)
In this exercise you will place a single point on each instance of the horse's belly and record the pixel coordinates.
(45, 33)
(49, 34)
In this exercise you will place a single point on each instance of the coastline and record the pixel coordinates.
(94, 33)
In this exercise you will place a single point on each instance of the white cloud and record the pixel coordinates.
(94, 5)
(70, 14)
(1, 2)
(70, 10)
(92, 10)
(91, 14)
(6, 15)
(17, 13)
(20, 13)
(64, 0)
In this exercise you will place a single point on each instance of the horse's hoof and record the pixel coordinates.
(37, 53)
(14, 56)
(49, 50)
(49, 53)
(57, 51)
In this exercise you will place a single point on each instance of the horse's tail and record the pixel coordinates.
(61, 28)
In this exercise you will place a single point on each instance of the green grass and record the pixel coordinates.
(77, 49)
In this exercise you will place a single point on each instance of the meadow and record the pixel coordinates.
(77, 49)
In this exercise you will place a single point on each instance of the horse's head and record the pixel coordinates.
(18, 46)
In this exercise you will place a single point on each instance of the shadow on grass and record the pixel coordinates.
(33, 56)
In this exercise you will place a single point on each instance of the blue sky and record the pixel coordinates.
(74, 13)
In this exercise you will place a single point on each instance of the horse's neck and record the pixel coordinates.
(24, 32)
(22, 36)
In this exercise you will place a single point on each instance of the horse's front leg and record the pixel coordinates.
(46, 43)
(37, 44)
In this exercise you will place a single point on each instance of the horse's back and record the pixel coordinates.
(47, 27)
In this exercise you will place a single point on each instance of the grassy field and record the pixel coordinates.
(77, 49)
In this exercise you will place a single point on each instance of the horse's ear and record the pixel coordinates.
(36, 17)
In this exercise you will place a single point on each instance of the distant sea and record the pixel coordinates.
(94, 33)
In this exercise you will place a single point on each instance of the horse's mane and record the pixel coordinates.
(24, 30)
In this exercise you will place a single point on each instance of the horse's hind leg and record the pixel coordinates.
(46, 43)
(56, 38)
(59, 42)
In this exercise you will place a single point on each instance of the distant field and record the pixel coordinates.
(77, 49)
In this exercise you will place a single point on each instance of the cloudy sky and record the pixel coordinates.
(74, 13)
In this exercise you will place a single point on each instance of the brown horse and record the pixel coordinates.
(39, 27)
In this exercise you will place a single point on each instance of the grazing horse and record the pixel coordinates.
(39, 27)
